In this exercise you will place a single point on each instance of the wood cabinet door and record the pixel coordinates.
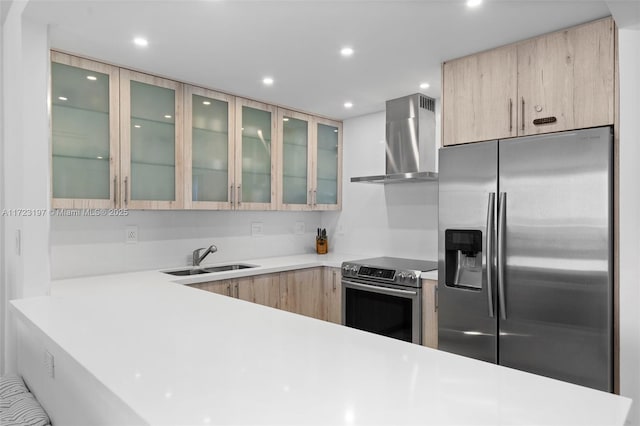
(565, 79)
(429, 313)
(256, 148)
(333, 294)
(209, 156)
(261, 289)
(478, 96)
(327, 164)
(302, 292)
(151, 142)
(220, 287)
(295, 166)
(85, 140)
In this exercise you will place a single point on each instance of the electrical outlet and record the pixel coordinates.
(257, 229)
(131, 235)
(49, 364)
(299, 228)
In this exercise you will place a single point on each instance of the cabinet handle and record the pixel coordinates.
(115, 189)
(523, 113)
(310, 198)
(239, 194)
(334, 280)
(510, 115)
(126, 191)
(231, 197)
(236, 288)
(315, 197)
(229, 290)
(435, 298)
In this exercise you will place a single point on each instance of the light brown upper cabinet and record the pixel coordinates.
(479, 96)
(256, 156)
(295, 161)
(125, 139)
(327, 164)
(85, 133)
(309, 162)
(151, 142)
(209, 149)
(559, 81)
(566, 79)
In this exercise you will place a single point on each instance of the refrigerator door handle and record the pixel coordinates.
(502, 209)
(489, 254)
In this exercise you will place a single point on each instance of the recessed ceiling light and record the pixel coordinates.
(474, 3)
(346, 51)
(167, 116)
(348, 104)
(137, 126)
(140, 41)
(92, 77)
(268, 81)
(285, 119)
(206, 103)
(424, 85)
(62, 98)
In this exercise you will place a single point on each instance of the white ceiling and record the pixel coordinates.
(230, 45)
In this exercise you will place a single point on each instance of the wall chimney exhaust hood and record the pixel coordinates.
(410, 141)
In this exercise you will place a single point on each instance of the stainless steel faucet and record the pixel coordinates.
(197, 258)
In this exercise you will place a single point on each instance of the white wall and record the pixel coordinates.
(398, 220)
(96, 245)
(25, 162)
(629, 50)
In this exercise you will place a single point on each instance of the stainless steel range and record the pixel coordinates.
(383, 295)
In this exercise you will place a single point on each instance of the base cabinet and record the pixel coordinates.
(316, 293)
(219, 287)
(333, 294)
(301, 292)
(313, 292)
(430, 313)
(261, 289)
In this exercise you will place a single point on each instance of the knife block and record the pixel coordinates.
(322, 245)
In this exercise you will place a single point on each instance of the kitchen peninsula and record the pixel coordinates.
(194, 357)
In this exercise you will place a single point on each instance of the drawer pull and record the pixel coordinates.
(545, 120)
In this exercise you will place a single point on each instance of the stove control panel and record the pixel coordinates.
(382, 275)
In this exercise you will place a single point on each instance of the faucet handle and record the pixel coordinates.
(212, 248)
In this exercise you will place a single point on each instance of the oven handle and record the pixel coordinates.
(379, 289)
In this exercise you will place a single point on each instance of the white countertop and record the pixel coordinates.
(178, 355)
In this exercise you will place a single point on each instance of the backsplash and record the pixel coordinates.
(88, 245)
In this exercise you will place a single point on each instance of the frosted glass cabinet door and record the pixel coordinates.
(328, 146)
(209, 149)
(84, 125)
(255, 155)
(294, 131)
(151, 141)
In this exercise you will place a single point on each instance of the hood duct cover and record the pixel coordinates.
(410, 141)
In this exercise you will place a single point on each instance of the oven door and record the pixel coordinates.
(391, 312)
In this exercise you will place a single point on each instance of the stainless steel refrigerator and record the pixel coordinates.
(525, 254)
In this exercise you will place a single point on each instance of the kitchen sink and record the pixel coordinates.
(208, 270)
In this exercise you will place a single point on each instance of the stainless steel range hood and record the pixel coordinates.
(410, 141)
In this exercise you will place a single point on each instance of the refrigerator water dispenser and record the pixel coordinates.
(463, 258)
